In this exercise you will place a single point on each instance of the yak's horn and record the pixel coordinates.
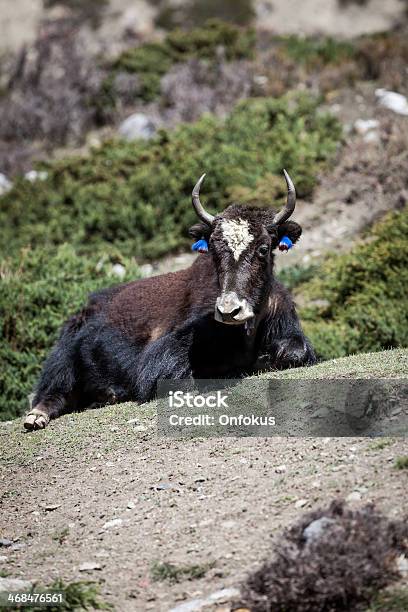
(198, 207)
(288, 209)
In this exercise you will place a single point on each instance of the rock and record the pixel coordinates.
(5, 184)
(3, 559)
(18, 546)
(146, 269)
(402, 564)
(280, 469)
(164, 486)
(354, 496)
(51, 507)
(301, 503)
(363, 126)
(230, 524)
(195, 605)
(5, 542)
(119, 271)
(315, 529)
(393, 101)
(131, 505)
(113, 523)
(89, 566)
(34, 175)
(137, 126)
(14, 584)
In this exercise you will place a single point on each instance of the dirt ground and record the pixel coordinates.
(188, 502)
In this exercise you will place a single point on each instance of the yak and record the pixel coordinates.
(226, 316)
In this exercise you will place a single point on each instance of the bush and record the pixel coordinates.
(361, 296)
(137, 195)
(332, 559)
(39, 289)
(153, 60)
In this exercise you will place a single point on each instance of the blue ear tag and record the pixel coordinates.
(201, 246)
(285, 244)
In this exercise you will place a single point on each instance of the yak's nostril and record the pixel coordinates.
(234, 312)
(228, 315)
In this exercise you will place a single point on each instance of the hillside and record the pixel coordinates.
(217, 501)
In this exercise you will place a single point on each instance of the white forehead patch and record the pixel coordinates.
(237, 235)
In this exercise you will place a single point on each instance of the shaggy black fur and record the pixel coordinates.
(350, 561)
(129, 337)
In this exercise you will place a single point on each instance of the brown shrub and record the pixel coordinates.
(331, 560)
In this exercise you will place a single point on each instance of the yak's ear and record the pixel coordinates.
(200, 230)
(291, 229)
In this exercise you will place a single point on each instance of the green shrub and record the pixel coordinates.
(153, 60)
(39, 289)
(137, 195)
(360, 297)
(317, 51)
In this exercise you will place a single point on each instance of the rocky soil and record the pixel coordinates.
(99, 496)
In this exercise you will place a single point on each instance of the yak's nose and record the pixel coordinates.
(228, 315)
(230, 309)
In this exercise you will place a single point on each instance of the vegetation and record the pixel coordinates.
(153, 60)
(119, 192)
(317, 51)
(173, 573)
(81, 595)
(401, 463)
(357, 302)
(39, 289)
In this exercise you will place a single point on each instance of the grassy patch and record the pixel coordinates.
(81, 595)
(395, 600)
(172, 573)
(317, 51)
(357, 301)
(381, 444)
(39, 289)
(401, 463)
(152, 60)
(117, 193)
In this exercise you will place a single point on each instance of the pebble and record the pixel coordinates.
(195, 605)
(315, 529)
(89, 566)
(119, 271)
(131, 505)
(354, 496)
(301, 503)
(363, 126)
(51, 507)
(5, 542)
(393, 101)
(402, 564)
(3, 559)
(137, 126)
(5, 184)
(280, 469)
(34, 175)
(113, 523)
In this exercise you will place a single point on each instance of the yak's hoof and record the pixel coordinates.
(36, 419)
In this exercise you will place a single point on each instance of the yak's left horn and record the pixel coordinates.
(198, 207)
(288, 209)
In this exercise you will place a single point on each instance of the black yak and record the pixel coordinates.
(224, 316)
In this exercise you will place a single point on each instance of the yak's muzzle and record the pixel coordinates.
(232, 310)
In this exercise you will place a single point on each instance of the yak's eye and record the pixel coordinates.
(263, 250)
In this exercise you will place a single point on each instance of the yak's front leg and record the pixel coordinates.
(292, 352)
(168, 357)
